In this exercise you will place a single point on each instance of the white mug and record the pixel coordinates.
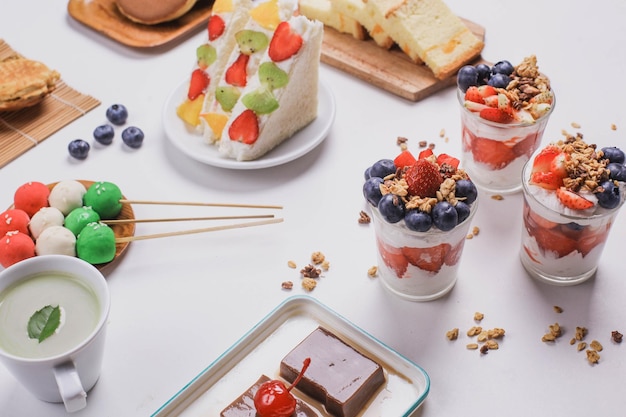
(69, 372)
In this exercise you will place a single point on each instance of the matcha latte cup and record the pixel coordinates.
(53, 315)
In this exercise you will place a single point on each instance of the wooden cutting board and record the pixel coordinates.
(391, 70)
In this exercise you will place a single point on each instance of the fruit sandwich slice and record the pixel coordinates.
(250, 42)
(227, 18)
(282, 97)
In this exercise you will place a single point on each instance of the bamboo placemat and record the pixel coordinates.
(24, 129)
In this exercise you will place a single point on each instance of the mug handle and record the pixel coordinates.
(71, 388)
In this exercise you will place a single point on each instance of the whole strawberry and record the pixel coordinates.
(423, 178)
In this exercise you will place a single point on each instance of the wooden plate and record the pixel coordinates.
(120, 230)
(104, 17)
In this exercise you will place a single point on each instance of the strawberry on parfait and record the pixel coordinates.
(505, 109)
(572, 193)
(422, 208)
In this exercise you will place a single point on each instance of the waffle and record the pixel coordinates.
(24, 83)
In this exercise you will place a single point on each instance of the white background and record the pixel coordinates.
(178, 303)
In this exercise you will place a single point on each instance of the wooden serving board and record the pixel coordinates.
(392, 70)
(103, 16)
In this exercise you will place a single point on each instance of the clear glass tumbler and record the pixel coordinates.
(558, 248)
(493, 154)
(419, 266)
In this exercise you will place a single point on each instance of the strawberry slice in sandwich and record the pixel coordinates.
(227, 18)
(251, 43)
(281, 98)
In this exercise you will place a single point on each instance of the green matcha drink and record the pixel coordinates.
(46, 314)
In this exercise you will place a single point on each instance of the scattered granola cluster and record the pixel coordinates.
(592, 349)
(486, 339)
(310, 273)
(616, 336)
(475, 232)
(364, 218)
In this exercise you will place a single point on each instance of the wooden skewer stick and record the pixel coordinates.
(189, 203)
(184, 219)
(192, 231)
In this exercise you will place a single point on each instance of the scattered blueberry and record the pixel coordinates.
(610, 197)
(618, 171)
(503, 67)
(371, 190)
(104, 134)
(466, 189)
(467, 77)
(614, 154)
(382, 168)
(117, 114)
(445, 216)
(133, 137)
(499, 80)
(484, 72)
(417, 220)
(462, 211)
(391, 208)
(78, 148)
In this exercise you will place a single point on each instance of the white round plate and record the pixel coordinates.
(191, 143)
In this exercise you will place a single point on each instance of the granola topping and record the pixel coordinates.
(526, 83)
(586, 168)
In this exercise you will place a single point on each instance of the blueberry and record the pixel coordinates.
(618, 171)
(417, 220)
(367, 173)
(445, 216)
(78, 148)
(574, 226)
(382, 168)
(484, 71)
(104, 134)
(391, 207)
(502, 67)
(132, 136)
(117, 114)
(614, 154)
(462, 211)
(371, 190)
(610, 197)
(467, 77)
(499, 80)
(466, 189)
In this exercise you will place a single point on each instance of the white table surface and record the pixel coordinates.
(178, 303)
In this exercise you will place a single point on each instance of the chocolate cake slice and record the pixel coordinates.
(244, 405)
(339, 376)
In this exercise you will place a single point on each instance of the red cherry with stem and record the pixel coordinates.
(273, 399)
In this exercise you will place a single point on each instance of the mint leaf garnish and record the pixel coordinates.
(44, 323)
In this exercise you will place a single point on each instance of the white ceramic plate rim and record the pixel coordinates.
(191, 143)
